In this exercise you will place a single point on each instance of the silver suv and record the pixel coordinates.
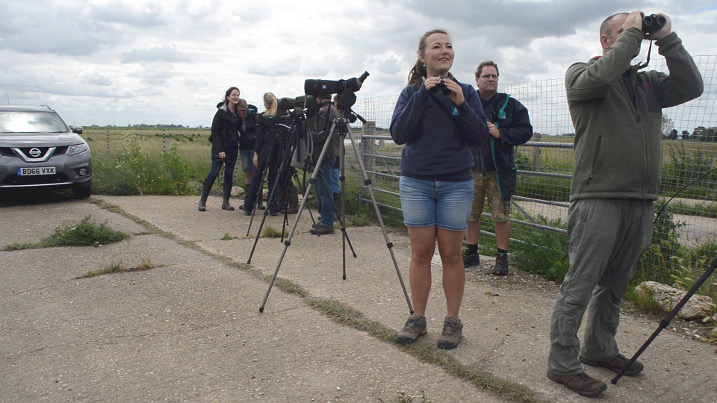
(37, 149)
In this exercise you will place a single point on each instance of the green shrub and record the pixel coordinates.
(688, 168)
(659, 262)
(137, 172)
(543, 252)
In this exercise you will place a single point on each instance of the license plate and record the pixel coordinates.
(36, 171)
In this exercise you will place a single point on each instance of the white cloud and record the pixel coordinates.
(150, 61)
(167, 53)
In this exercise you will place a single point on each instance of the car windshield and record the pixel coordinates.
(31, 122)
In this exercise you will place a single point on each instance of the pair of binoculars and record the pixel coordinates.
(652, 23)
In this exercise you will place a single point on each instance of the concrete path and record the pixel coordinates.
(190, 329)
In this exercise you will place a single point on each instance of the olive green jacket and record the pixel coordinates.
(618, 150)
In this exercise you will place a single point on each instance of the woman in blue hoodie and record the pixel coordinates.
(437, 118)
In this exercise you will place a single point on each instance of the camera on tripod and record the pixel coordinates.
(652, 23)
(345, 88)
(276, 126)
(298, 105)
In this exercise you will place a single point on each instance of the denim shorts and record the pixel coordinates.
(446, 205)
(247, 160)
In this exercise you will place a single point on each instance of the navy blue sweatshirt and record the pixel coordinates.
(437, 133)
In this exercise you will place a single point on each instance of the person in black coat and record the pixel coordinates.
(266, 157)
(225, 147)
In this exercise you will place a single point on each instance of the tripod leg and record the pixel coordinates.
(264, 169)
(287, 243)
(342, 200)
(666, 322)
(302, 188)
(263, 219)
(340, 219)
(389, 245)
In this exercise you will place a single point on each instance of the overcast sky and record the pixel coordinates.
(137, 61)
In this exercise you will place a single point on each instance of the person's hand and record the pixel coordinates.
(222, 155)
(662, 32)
(456, 91)
(493, 130)
(432, 82)
(256, 160)
(634, 19)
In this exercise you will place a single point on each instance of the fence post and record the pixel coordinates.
(108, 142)
(164, 142)
(368, 146)
(536, 152)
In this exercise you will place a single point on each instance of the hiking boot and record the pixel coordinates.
(470, 259)
(616, 365)
(501, 264)
(452, 331)
(415, 326)
(322, 229)
(582, 383)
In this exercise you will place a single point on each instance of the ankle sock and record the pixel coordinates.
(472, 249)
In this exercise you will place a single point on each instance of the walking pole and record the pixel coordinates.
(666, 322)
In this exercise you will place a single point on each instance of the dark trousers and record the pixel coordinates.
(229, 163)
(268, 158)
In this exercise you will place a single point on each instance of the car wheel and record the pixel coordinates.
(83, 190)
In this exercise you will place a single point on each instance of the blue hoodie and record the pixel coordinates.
(437, 133)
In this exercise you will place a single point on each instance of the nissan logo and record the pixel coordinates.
(35, 152)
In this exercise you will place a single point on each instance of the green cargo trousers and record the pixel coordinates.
(607, 237)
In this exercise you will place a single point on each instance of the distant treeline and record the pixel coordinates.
(146, 126)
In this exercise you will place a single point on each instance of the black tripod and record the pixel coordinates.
(335, 127)
(666, 322)
(284, 173)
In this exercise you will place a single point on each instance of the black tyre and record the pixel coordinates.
(82, 191)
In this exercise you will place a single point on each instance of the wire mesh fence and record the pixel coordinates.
(545, 165)
(686, 228)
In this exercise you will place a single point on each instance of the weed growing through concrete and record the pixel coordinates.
(270, 232)
(404, 397)
(84, 233)
(119, 267)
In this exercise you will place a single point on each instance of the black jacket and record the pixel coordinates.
(225, 131)
(247, 138)
(498, 154)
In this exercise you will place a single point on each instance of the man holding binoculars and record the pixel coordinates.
(617, 113)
